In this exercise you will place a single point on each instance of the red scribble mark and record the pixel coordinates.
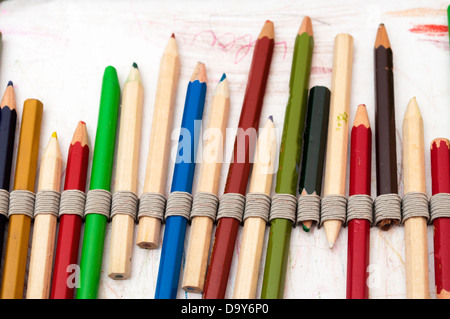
(227, 41)
(430, 29)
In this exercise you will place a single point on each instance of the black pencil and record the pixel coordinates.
(8, 118)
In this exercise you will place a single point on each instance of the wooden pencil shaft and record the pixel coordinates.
(19, 225)
(44, 229)
(159, 148)
(254, 227)
(251, 249)
(127, 164)
(209, 176)
(337, 141)
(416, 247)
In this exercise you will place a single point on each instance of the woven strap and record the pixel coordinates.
(333, 207)
(387, 206)
(152, 205)
(308, 208)
(125, 203)
(283, 206)
(439, 206)
(21, 202)
(360, 207)
(231, 205)
(179, 204)
(257, 205)
(4, 202)
(205, 205)
(47, 202)
(72, 202)
(415, 204)
(98, 201)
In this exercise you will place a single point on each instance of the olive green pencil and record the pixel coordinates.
(289, 161)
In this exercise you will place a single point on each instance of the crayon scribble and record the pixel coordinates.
(430, 29)
(228, 41)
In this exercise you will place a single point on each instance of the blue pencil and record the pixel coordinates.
(183, 175)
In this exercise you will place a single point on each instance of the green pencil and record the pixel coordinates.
(95, 224)
(289, 161)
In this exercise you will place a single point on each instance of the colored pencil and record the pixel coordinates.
(209, 176)
(289, 161)
(69, 231)
(385, 138)
(102, 164)
(359, 184)
(158, 153)
(239, 169)
(119, 266)
(19, 225)
(8, 118)
(440, 178)
(183, 175)
(314, 144)
(337, 141)
(44, 229)
(416, 243)
(254, 227)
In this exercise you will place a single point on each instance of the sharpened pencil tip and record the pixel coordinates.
(135, 65)
(10, 83)
(271, 118)
(330, 245)
(173, 35)
(54, 135)
(224, 76)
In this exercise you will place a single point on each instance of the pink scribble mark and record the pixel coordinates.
(321, 70)
(228, 41)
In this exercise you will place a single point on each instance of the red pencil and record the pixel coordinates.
(440, 177)
(239, 170)
(359, 229)
(70, 225)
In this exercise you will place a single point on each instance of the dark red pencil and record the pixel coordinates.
(66, 257)
(239, 170)
(440, 177)
(359, 229)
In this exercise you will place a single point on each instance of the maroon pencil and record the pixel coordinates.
(239, 170)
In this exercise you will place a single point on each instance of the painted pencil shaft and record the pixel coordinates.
(69, 232)
(239, 169)
(358, 251)
(19, 225)
(385, 132)
(183, 174)
(289, 161)
(440, 177)
(158, 154)
(314, 144)
(102, 164)
(8, 119)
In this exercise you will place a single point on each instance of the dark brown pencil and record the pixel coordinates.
(386, 156)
